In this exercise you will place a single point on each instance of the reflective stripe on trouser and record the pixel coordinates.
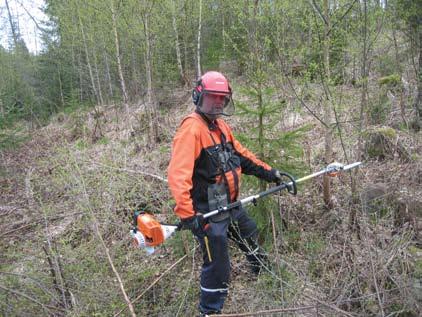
(215, 274)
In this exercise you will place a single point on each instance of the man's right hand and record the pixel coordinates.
(195, 224)
(276, 176)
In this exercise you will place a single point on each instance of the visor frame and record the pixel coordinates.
(227, 104)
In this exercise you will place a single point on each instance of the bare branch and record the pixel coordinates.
(97, 230)
(318, 10)
(160, 178)
(36, 222)
(304, 104)
(154, 282)
(31, 299)
(32, 18)
(37, 282)
(342, 17)
(270, 311)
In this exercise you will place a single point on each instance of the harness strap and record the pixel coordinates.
(214, 126)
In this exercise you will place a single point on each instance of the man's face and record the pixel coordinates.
(213, 104)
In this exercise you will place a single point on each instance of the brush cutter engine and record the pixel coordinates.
(148, 232)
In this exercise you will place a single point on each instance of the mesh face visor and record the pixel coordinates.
(216, 103)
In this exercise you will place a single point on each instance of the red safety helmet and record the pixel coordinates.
(213, 95)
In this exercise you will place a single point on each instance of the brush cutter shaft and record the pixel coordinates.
(332, 168)
(149, 233)
(350, 166)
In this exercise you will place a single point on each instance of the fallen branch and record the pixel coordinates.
(154, 282)
(376, 286)
(333, 307)
(97, 230)
(182, 302)
(5, 210)
(328, 305)
(160, 178)
(269, 311)
(29, 193)
(37, 282)
(279, 310)
(130, 305)
(36, 222)
(31, 299)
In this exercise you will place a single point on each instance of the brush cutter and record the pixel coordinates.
(149, 233)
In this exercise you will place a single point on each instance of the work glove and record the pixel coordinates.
(276, 176)
(195, 224)
(278, 179)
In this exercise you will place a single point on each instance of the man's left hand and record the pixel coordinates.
(287, 179)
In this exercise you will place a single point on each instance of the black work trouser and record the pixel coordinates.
(215, 274)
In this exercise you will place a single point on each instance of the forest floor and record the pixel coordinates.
(68, 193)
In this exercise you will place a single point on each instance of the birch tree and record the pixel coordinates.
(177, 43)
(198, 47)
(118, 59)
(146, 13)
(327, 109)
(91, 73)
(410, 13)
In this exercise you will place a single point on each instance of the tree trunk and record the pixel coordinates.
(91, 75)
(396, 48)
(223, 32)
(81, 86)
(185, 39)
(119, 62)
(148, 62)
(178, 54)
(418, 101)
(364, 80)
(97, 77)
(398, 71)
(135, 75)
(353, 219)
(60, 86)
(12, 26)
(198, 48)
(261, 135)
(327, 111)
(107, 64)
(72, 47)
(152, 115)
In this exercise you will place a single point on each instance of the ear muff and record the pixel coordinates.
(196, 92)
(195, 96)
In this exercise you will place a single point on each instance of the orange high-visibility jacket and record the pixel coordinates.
(200, 152)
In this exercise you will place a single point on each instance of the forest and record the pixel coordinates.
(86, 129)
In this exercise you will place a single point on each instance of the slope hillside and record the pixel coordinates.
(68, 194)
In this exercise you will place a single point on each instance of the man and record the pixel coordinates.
(204, 175)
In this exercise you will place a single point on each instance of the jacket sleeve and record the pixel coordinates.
(250, 164)
(185, 149)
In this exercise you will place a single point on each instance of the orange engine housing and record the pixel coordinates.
(151, 229)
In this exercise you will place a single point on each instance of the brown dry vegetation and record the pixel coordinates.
(67, 196)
